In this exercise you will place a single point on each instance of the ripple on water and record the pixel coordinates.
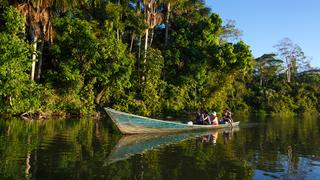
(59, 140)
(315, 163)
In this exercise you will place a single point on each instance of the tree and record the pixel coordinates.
(229, 32)
(17, 93)
(267, 65)
(152, 18)
(39, 16)
(169, 6)
(76, 48)
(293, 55)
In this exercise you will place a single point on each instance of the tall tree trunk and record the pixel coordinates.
(139, 60)
(34, 56)
(10, 101)
(40, 61)
(289, 73)
(139, 54)
(167, 24)
(151, 39)
(118, 31)
(118, 34)
(132, 39)
(146, 45)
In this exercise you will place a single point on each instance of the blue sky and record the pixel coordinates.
(265, 23)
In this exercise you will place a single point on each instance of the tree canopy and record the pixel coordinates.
(144, 57)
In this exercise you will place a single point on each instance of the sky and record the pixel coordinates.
(265, 23)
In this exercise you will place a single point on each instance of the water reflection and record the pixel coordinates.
(264, 148)
(208, 139)
(211, 138)
(130, 145)
(51, 149)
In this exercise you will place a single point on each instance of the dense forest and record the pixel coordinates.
(60, 57)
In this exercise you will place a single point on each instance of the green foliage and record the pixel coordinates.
(272, 92)
(50, 100)
(175, 98)
(152, 86)
(75, 48)
(207, 31)
(96, 60)
(13, 21)
(283, 98)
(17, 93)
(113, 12)
(244, 61)
(92, 70)
(113, 72)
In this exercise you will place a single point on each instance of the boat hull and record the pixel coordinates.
(133, 124)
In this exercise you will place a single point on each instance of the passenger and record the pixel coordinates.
(206, 118)
(221, 121)
(227, 116)
(198, 118)
(214, 118)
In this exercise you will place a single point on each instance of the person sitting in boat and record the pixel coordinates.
(214, 118)
(227, 116)
(198, 118)
(206, 118)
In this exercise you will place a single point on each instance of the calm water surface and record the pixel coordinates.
(262, 148)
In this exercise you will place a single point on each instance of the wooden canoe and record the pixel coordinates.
(133, 124)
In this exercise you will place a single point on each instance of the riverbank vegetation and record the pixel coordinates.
(145, 57)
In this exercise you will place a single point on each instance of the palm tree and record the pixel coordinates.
(152, 18)
(39, 15)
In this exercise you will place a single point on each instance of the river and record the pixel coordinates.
(262, 148)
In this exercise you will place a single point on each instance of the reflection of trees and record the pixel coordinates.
(276, 146)
(75, 149)
(187, 160)
(28, 166)
(290, 163)
(60, 148)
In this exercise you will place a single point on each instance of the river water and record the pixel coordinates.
(262, 148)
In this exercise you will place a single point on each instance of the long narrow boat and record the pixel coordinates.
(133, 124)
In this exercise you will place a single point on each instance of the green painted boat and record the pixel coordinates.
(133, 124)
